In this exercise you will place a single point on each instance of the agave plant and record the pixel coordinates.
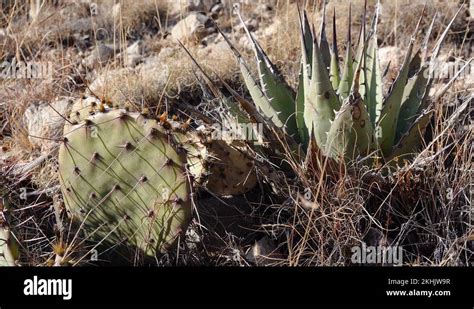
(343, 109)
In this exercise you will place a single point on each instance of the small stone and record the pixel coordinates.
(99, 55)
(177, 7)
(45, 122)
(133, 55)
(194, 27)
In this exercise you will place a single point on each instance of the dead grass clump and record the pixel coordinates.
(128, 20)
(164, 78)
(423, 206)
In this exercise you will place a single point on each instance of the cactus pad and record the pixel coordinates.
(220, 166)
(123, 178)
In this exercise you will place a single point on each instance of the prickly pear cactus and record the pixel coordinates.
(231, 171)
(221, 167)
(124, 180)
(9, 247)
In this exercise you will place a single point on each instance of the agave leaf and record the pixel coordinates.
(299, 110)
(415, 64)
(321, 100)
(363, 130)
(339, 133)
(271, 132)
(373, 74)
(348, 71)
(363, 53)
(361, 43)
(323, 40)
(431, 60)
(424, 44)
(306, 37)
(334, 73)
(412, 101)
(440, 41)
(387, 124)
(259, 97)
(374, 84)
(307, 43)
(411, 141)
(351, 134)
(235, 110)
(280, 96)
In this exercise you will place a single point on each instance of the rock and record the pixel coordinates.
(99, 55)
(193, 28)
(251, 23)
(133, 55)
(177, 7)
(216, 9)
(45, 122)
(210, 39)
(168, 74)
(390, 57)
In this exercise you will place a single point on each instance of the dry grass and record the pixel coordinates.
(167, 77)
(424, 206)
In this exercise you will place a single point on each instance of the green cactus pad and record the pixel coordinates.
(124, 179)
(9, 245)
(9, 248)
